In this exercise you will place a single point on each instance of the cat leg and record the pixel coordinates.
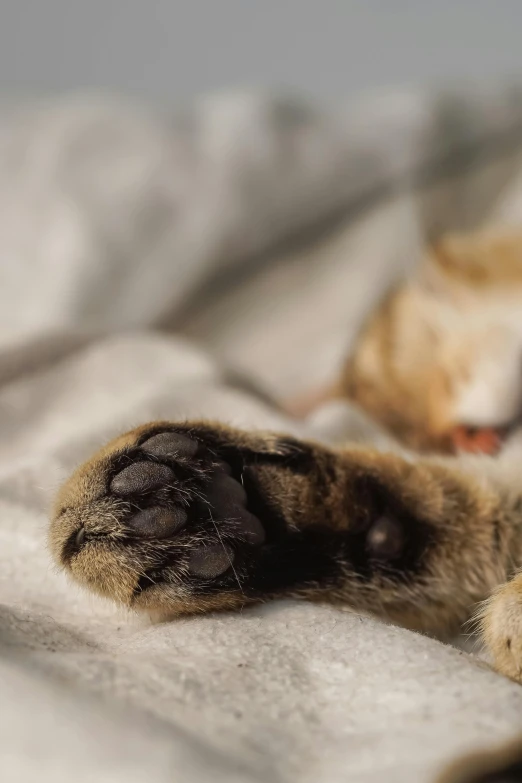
(187, 517)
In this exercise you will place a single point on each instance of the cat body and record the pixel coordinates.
(185, 517)
(439, 362)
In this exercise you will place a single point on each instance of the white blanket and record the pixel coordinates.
(164, 267)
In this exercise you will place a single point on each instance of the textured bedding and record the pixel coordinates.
(201, 264)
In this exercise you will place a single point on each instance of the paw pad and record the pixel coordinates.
(166, 445)
(210, 561)
(157, 522)
(141, 477)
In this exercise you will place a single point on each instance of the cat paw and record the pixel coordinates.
(160, 520)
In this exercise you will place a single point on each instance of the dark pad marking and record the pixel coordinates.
(315, 555)
(209, 561)
(141, 477)
(385, 539)
(384, 534)
(167, 445)
(157, 522)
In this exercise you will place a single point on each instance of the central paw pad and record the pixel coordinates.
(157, 522)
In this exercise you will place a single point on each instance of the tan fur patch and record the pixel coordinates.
(423, 362)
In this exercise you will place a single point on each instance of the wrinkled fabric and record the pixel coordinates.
(162, 265)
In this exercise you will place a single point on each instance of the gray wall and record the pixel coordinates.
(173, 48)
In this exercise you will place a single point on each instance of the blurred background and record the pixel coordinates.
(332, 49)
(178, 219)
(217, 262)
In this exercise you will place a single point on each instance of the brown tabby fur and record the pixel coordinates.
(418, 541)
